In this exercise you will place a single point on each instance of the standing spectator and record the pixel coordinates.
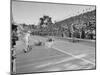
(82, 33)
(13, 61)
(14, 37)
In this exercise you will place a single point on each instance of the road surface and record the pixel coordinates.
(62, 55)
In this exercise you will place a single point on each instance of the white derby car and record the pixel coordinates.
(49, 43)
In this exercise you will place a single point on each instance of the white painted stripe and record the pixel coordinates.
(53, 69)
(32, 60)
(40, 65)
(58, 62)
(44, 65)
(72, 67)
(77, 57)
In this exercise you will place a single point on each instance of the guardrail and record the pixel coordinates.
(78, 40)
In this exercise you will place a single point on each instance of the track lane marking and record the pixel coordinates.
(58, 62)
(77, 57)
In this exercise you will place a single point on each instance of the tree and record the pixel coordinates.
(45, 21)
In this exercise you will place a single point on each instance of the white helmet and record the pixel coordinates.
(29, 31)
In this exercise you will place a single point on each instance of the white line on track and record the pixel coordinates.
(77, 57)
(58, 62)
(49, 63)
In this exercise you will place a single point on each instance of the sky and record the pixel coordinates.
(30, 12)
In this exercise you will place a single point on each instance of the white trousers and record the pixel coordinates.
(49, 44)
(26, 42)
(14, 65)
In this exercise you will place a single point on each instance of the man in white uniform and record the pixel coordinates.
(27, 35)
(49, 43)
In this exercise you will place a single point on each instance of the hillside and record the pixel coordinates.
(79, 19)
(86, 20)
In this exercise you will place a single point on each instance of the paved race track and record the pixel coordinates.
(62, 55)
